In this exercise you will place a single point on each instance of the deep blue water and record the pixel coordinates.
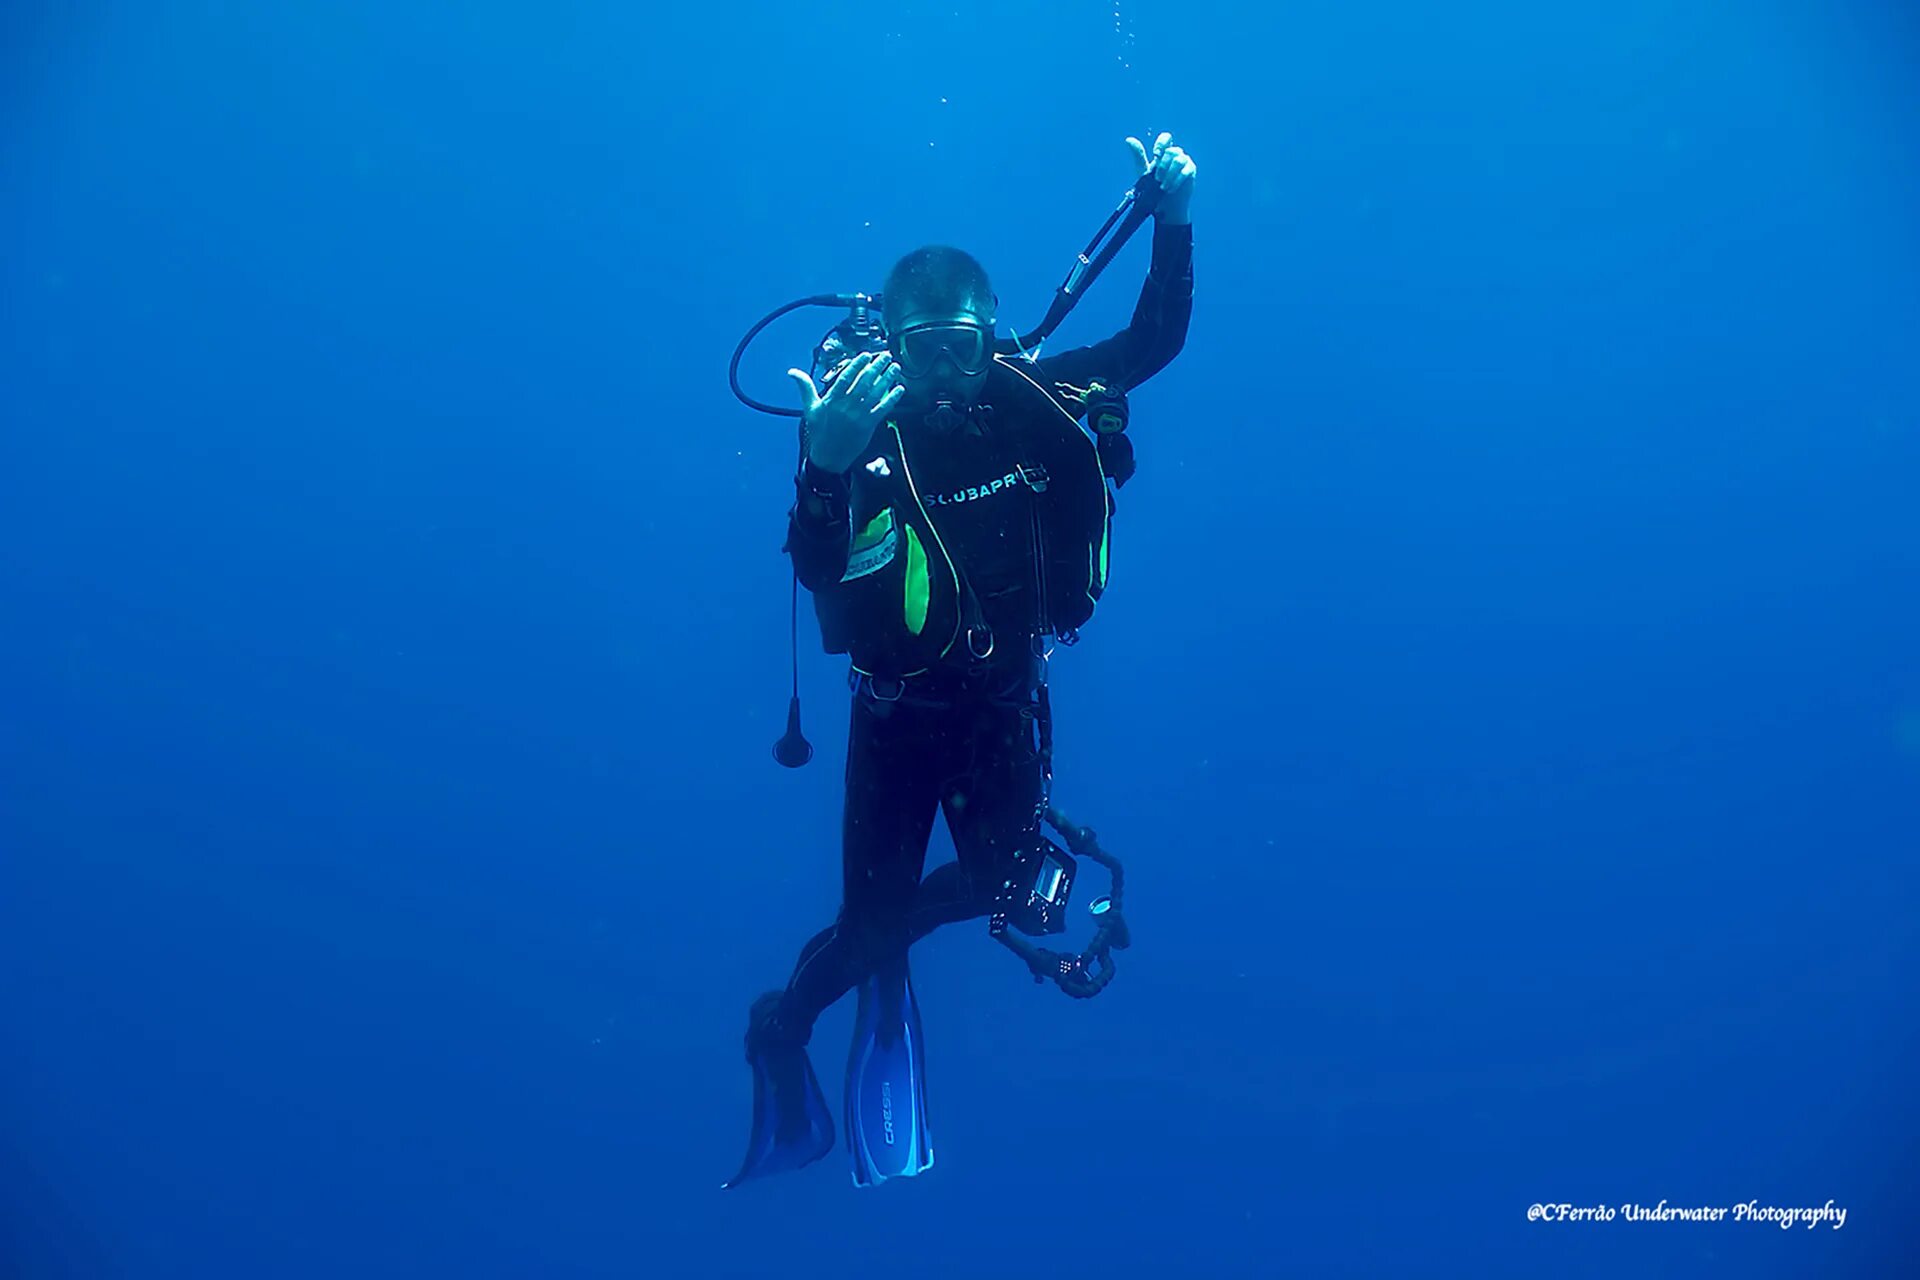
(1508, 699)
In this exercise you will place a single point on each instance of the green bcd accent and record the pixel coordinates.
(919, 589)
(875, 530)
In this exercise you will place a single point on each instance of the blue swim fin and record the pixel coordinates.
(887, 1083)
(791, 1124)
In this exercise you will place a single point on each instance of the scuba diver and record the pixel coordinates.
(951, 518)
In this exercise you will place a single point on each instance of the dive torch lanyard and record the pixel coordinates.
(1043, 729)
(1035, 479)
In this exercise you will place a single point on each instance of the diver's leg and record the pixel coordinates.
(947, 895)
(896, 756)
(885, 1112)
(990, 810)
(894, 766)
(892, 781)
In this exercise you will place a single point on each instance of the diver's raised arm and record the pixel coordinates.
(1158, 329)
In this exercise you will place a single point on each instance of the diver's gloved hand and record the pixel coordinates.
(1174, 170)
(1072, 974)
(840, 423)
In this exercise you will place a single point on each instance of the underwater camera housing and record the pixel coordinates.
(1034, 897)
(1033, 901)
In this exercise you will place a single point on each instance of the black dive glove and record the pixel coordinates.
(1072, 974)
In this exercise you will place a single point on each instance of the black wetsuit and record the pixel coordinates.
(960, 739)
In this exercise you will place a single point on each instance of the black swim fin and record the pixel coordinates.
(886, 1100)
(792, 1126)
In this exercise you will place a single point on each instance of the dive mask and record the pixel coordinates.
(918, 349)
